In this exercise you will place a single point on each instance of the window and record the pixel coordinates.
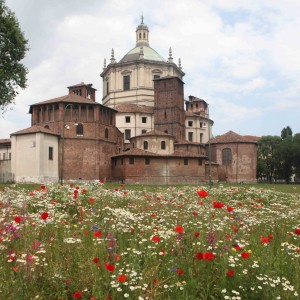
(145, 145)
(127, 119)
(3, 156)
(144, 119)
(9, 155)
(226, 156)
(166, 131)
(165, 114)
(201, 124)
(107, 87)
(196, 105)
(126, 83)
(106, 133)
(163, 145)
(131, 160)
(144, 131)
(204, 125)
(156, 76)
(147, 161)
(46, 126)
(127, 134)
(50, 153)
(190, 136)
(200, 162)
(186, 161)
(201, 137)
(190, 123)
(79, 129)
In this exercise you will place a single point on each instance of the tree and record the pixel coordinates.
(285, 132)
(268, 156)
(13, 47)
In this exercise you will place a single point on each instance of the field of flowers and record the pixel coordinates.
(97, 242)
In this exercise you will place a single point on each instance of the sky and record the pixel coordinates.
(242, 57)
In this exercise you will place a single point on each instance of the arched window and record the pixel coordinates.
(106, 133)
(79, 129)
(145, 145)
(46, 126)
(226, 156)
(163, 145)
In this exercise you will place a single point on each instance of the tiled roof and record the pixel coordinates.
(34, 129)
(71, 98)
(131, 108)
(232, 137)
(252, 138)
(156, 132)
(5, 141)
(82, 84)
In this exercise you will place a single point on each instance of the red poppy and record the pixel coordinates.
(264, 240)
(245, 255)
(179, 271)
(199, 255)
(122, 278)
(179, 229)
(109, 267)
(297, 231)
(91, 200)
(218, 204)
(156, 281)
(31, 194)
(17, 219)
(97, 234)
(155, 239)
(229, 208)
(230, 273)
(44, 215)
(101, 180)
(77, 295)
(208, 256)
(235, 229)
(202, 193)
(96, 260)
(195, 213)
(200, 202)
(197, 234)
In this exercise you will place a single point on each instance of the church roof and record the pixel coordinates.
(232, 137)
(4, 141)
(70, 98)
(131, 108)
(34, 129)
(149, 54)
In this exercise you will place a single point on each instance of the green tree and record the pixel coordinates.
(286, 158)
(268, 156)
(286, 132)
(13, 47)
(296, 152)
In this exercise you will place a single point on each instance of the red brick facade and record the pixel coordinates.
(169, 114)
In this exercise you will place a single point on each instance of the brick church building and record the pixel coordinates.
(141, 133)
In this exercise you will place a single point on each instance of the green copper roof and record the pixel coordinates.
(149, 54)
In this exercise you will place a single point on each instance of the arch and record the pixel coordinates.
(226, 156)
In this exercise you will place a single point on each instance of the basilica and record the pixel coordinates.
(143, 131)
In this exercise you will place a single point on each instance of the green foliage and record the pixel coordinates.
(279, 157)
(13, 47)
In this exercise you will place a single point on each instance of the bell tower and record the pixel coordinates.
(169, 114)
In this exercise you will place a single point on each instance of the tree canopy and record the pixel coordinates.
(13, 47)
(279, 157)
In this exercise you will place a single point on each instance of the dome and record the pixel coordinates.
(149, 54)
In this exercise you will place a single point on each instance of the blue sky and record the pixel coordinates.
(241, 56)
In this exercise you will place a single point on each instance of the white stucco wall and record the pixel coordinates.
(30, 158)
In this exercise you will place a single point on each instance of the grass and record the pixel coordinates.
(113, 241)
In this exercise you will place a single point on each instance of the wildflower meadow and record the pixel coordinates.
(95, 241)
